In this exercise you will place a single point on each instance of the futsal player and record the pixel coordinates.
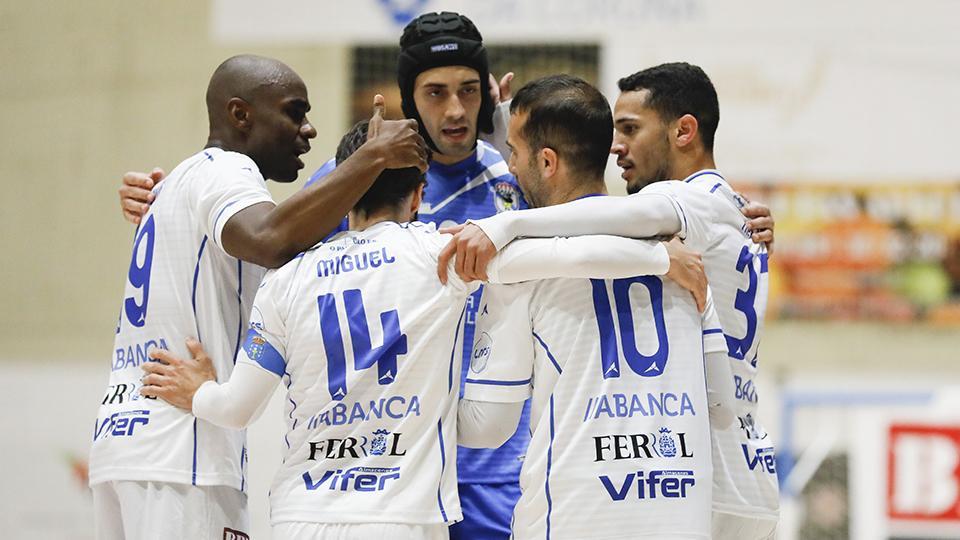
(666, 119)
(197, 258)
(616, 368)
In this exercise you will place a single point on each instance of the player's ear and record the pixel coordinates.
(415, 200)
(548, 160)
(239, 114)
(686, 130)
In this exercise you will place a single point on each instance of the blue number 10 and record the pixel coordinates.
(139, 275)
(364, 355)
(645, 366)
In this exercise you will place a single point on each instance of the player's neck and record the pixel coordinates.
(226, 143)
(445, 159)
(569, 191)
(688, 165)
(360, 221)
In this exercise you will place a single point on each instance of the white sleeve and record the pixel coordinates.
(597, 256)
(721, 400)
(236, 403)
(482, 424)
(259, 366)
(501, 366)
(234, 184)
(637, 216)
(498, 139)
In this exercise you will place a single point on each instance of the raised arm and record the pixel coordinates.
(637, 216)
(270, 235)
(600, 257)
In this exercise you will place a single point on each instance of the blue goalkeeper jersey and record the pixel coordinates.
(475, 188)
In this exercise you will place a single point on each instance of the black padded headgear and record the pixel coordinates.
(436, 40)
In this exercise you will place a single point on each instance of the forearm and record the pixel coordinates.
(483, 424)
(720, 391)
(236, 403)
(309, 215)
(637, 216)
(597, 256)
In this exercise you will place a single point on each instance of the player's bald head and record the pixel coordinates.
(248, 77)
(258, 106)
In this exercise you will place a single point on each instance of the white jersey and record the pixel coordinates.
(180, 283)
(621, 438)
(712, 223)
(365, 339)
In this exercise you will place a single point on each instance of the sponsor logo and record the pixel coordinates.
(666, 444)
(644, 404)
(353, 479)
(394, 407)
(670, 484)
(383, 443)
(122, 393)
(136, 354)
(507, 197)
(120, 424)
(481, 352)
(445, 47)
(764, 458)
(230, 534)
(923, 479)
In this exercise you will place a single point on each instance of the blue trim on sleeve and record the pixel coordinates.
(764, 263)
(549, 354)
(715, 186)
(713, 331)
(220, 213)
(262, 352)
(498, 383)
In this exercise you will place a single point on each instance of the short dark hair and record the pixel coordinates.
(391, 187)
(676, 89)
(570, 116)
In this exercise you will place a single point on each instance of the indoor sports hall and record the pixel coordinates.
(840, 117)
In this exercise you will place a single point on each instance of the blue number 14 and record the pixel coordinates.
(364, 355)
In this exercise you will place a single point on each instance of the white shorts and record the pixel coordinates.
(301, 530)
(130, 510)
(735, 527)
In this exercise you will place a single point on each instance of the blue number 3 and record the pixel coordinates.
(139, 275)
(364, 355)
(744, 302)
(645, 366)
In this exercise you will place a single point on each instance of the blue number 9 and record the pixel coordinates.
(139, 275)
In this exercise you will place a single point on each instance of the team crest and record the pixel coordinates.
(665, 444)
(379, 444)
(254, 346)
(507, 196)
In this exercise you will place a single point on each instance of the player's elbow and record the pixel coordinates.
(721, 415)
(270, 249)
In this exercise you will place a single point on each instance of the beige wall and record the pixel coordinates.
(89, 90)
(92, 89)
